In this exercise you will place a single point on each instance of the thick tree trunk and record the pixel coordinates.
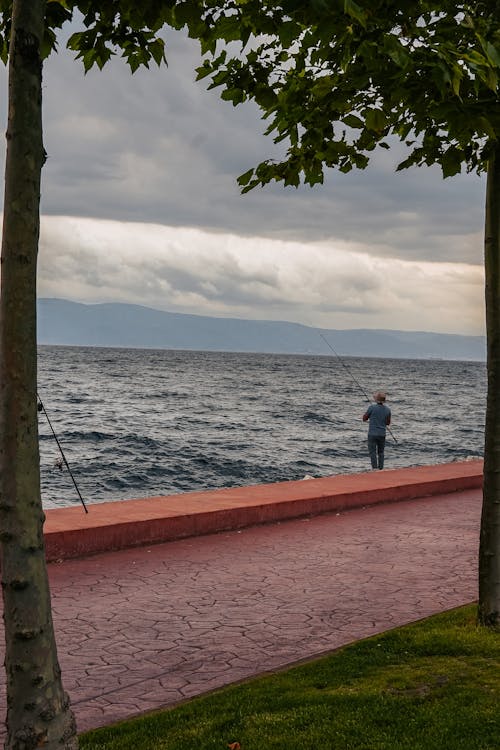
(489, 547)
(38, 713)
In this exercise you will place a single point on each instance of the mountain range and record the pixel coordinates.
(113, 324)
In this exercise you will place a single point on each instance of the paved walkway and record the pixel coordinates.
(143, 628)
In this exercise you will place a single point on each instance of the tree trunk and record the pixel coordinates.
(489, 546)
(38, 713)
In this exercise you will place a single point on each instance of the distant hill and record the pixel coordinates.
(133, 326)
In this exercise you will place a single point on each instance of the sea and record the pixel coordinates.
(134, 423)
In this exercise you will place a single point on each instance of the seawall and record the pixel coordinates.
(69, 532)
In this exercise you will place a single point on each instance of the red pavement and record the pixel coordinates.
(71, 533)
(146, 627)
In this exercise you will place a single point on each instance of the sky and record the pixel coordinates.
(140, 204)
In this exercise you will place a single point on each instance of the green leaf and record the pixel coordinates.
(287, 32)
(345, 167)
(229, 28)
(456, 80)
(204, 70)
(245, 178)
(250, 186)
(234, 95)
(157, 50)
(491, 51)
(396, 51)
(475, 58)
(322, 87)
(441, 77)
(353, 121)
(375, 120)
(292, 179)
(314, 175)
(492, 80)
(133, 64)
(4, 49)
(452, 161)
(487, 127)
(355, 11)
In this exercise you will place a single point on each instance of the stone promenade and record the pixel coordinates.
(147, 627)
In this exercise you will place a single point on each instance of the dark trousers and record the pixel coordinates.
(376, 445)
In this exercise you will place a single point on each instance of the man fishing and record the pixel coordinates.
(379, 417)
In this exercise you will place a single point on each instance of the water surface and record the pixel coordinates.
(135, 423)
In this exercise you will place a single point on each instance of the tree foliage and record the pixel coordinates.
(336, 79)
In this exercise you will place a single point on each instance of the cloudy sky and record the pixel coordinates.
(140, 204)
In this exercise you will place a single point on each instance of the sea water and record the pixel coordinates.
(135, 423)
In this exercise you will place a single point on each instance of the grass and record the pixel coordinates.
(433, 685)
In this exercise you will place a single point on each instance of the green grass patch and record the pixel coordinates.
(433, 685)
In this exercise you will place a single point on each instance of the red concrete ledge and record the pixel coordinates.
(69, 532)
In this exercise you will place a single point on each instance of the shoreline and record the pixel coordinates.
(122, 524)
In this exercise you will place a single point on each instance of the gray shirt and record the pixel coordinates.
(378, 414)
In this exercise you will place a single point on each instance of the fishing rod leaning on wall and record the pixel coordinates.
(351, 375)
(41, 408)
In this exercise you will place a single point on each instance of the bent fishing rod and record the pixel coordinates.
(41, 407)
(354, 379)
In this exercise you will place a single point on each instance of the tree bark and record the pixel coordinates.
(489, 545)
(38, 713)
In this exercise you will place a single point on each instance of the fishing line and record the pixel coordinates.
(41, 407)
(353, 378)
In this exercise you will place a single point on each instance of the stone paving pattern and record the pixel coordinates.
(147, 627)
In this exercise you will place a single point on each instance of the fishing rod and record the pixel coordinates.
(354, 379)
(41, 407)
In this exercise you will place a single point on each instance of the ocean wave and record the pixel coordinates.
(136, 423)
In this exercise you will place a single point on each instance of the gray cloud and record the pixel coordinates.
(157, 147)
(140, 204)
(190, 270)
